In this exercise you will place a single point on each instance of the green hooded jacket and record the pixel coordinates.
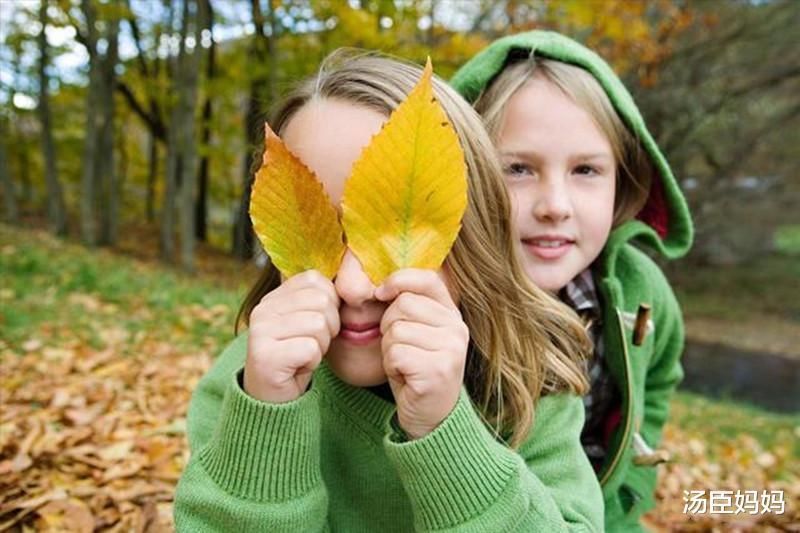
(646, 374)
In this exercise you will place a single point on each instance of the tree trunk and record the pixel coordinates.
(6, 184)
(21, 150)
(106, 169)
(26, 188)
(432, 29)
(187, 96)
(167, 234)
(150, 110)
(167, 238)
(263, 50)
(123, 165)
(56, 212)
(88, 171)
(243, 227)
(152, 170)
(201, 207)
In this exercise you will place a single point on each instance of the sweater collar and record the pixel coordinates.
(358, 402)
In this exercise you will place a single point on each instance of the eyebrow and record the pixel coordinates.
(535, 155)
(520, 153)
(598, 155)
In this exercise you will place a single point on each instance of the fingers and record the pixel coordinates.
(418, 281)
(424, 336)
(417, 308)
(425, 372)
(306, 292)
(309, 300)
(311, 279)
(290, 331)
(401, 361)
(297, 350)
(312, 324)
(422, 314)
(307, 278)
(277, 383)
(424, 345)
(295, 353)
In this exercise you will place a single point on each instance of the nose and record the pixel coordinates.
(552, 202)
(352, 283)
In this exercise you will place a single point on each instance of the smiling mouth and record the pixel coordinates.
(548, 248)
(547, 243)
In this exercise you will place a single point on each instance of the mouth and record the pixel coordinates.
(548, 247)
(360, 333)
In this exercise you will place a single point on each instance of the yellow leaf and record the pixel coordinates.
(67, 515)
(403, 203)
(117, 451)
(292, 215)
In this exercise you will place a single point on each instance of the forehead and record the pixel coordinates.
(328, 135)
(539, 112)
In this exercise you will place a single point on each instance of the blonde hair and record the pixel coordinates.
(524, 342)
(634, 170)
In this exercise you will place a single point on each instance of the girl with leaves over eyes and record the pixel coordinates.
(433, 397)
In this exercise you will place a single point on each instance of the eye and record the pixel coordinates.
(517, 171)
(587, 170)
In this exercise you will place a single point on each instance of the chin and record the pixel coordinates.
(548, 281)
(358, 369)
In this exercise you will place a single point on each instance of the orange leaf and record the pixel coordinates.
(293, 215)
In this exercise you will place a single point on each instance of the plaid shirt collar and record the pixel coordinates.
(581, 295)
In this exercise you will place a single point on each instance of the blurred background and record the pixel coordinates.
(126, 134)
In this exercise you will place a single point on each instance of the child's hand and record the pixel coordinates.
(290, 331)
(424, 347)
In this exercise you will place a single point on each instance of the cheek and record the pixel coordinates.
(518, 201)
(599, 213)
(610, 202)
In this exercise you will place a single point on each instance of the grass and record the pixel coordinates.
(52, 287)
(693, 414)
(745, 292)
(753, 307)
(787, 239)
(741, 292)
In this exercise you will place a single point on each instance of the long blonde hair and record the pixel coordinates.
(524, 342)
(634, 170)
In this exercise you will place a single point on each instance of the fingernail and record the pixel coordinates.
(379, 292)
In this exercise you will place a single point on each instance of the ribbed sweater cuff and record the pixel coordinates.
(455, 472)
(262, 451)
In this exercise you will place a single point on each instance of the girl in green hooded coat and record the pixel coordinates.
(588, 181)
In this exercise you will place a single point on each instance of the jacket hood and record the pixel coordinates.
(664, 222)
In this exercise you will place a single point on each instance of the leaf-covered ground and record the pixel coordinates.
(100, 353)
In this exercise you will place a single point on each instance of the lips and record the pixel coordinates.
(360, 333)
(548, 247)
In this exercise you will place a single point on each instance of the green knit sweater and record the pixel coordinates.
(333, 460)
